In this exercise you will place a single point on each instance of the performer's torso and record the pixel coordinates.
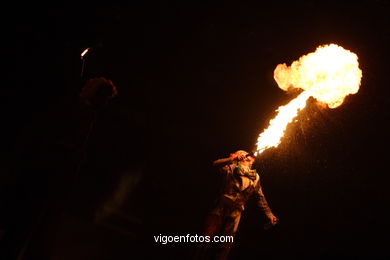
(239, 184)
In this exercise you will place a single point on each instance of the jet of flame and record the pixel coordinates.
(329, 74)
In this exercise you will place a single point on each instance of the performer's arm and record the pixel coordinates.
(263, 204)
(229, 160)
(223, 162)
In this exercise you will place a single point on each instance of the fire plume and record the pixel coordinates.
(329, 74)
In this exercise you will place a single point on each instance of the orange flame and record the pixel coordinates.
(329, 74)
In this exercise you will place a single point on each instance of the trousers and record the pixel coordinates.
(222, 221)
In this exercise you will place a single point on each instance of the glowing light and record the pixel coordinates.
(329, 74)
(84, 52)
(272, 135)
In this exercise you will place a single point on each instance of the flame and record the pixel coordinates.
(329, 74)
(84, 52)
(272, 135)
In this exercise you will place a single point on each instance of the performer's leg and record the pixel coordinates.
(230, 230)
(212, 227)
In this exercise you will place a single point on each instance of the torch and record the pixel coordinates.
(83, 61)
(251, 154)
(83, 56)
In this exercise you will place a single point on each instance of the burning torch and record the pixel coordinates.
(83, 61)
(83, 56)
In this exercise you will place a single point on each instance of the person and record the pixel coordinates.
(240, 183)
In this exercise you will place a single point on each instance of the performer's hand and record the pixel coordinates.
(240, 157)
(273, 220)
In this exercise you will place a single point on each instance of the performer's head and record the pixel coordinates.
(244, 157)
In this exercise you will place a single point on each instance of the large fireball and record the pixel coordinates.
(329, 74)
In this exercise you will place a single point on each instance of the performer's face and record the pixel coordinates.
(248, 161)
(251, 159)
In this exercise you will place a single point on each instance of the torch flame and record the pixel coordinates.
(84, 52)
(329, 74)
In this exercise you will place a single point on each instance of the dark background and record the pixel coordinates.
(195, 83)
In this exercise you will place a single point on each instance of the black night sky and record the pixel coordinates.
(195, 83)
